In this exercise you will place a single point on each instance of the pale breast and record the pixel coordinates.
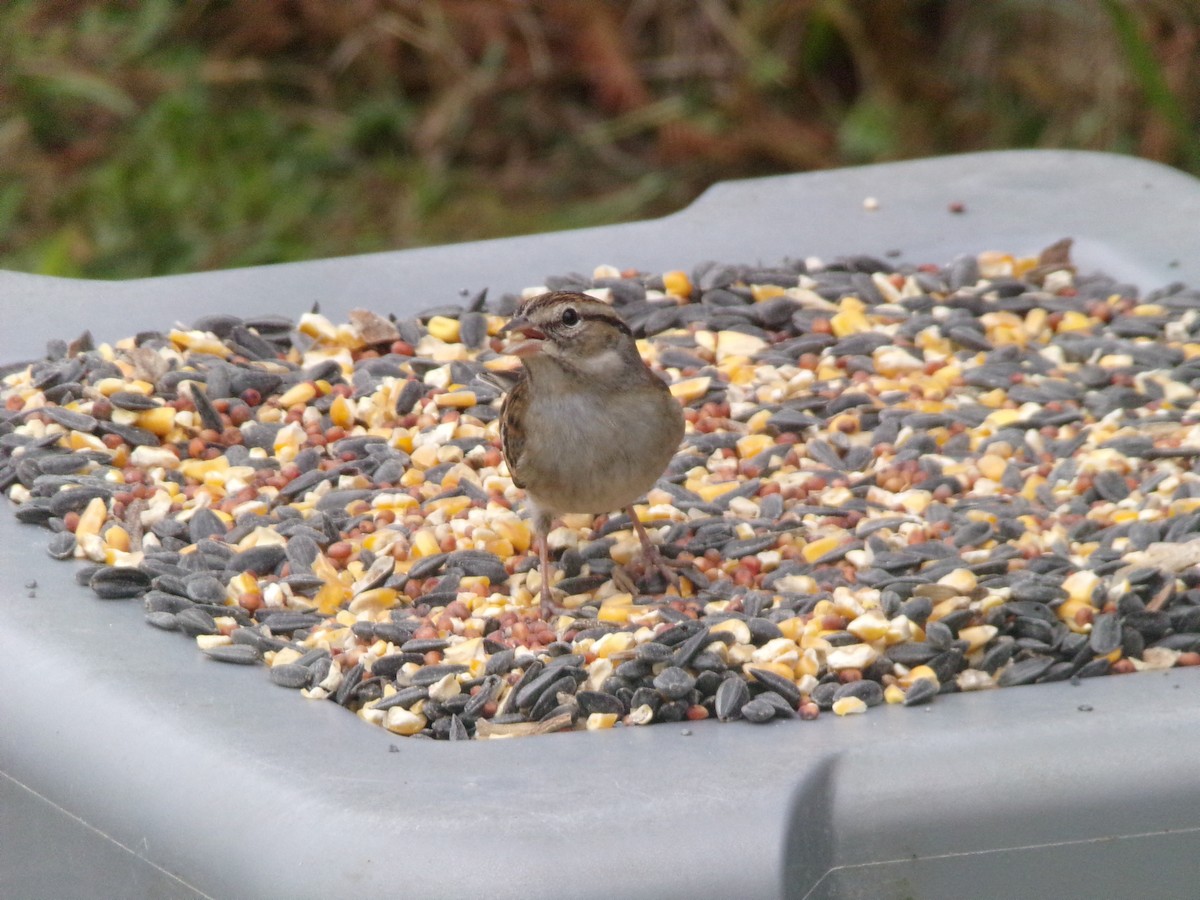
(599, 453)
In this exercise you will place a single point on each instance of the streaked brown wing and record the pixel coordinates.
(512, 440)
(503, 380)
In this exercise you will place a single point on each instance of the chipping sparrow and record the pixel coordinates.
(588, 428)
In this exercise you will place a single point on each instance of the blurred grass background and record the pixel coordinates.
(144, 137)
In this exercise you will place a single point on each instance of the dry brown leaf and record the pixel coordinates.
(372, 327)
(485, 730)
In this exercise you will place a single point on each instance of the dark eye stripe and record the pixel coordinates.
(613, 320)
(593, 310)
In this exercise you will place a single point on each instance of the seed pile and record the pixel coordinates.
(897, 481)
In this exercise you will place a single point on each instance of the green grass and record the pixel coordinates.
(159, 136)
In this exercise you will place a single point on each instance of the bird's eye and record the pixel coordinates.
(570, 317)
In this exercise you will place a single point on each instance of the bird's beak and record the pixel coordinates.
(534, 337)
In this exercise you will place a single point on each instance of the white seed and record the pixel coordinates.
(851, 656)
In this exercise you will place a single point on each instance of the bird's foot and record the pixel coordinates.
(652, 558)
(647, 575)
(624, 581)
(548, 608)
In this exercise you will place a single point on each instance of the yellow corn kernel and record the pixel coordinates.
(77, 440)
(782, 669)
(710, 492)
(809, 663)
(199, 342)
(1177, 508)
(240, 585)
(977, 636)
(739, 370)
(455, 399)
(208, 641)
(947, 606)
(399, 720)
(892, 362)
(502, 547)
(613, 642)
(600, 721)
(340, 412)
(394, 501)
(691, 389)
(425, 544)
(617, 614)
(916, 673)
(870, 626)
(1035, 321)
(330, 597)
(1069, 609)
(618, 607)
(284, 656)
(1080, 585)
(298, 394)
(849, 321)
(624, 552)
(757, 423)
(1002, 418)
(849, 706)
(732, 344)
(92, 518)
(994, 399)
(992, 466)
(444, 329)
(380, 541)
(450, 506)
(374, 600)
(158, 421)
(1073, 320)
(109, 386)
(818, 548)
(893, 693)
(677, 283)
(1032, 483)
(792, 628)
(117, 538)
(763, 292)
(753, 444)
(738, 629)
(994, 264)
(425, 456)
(317, 326)
(961, 580)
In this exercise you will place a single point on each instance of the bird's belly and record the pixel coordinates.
(597, 457)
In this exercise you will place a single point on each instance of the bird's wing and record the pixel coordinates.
(501, 380)
(512, 440)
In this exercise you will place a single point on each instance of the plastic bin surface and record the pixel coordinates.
(132, 766)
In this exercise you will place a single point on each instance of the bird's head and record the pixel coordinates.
(572, 330)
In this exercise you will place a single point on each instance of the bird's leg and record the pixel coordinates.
(542, 522)
(624, 581)
(650, 552)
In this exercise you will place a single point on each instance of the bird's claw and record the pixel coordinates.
(627, 577)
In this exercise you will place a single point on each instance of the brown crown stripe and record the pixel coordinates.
(554, 298)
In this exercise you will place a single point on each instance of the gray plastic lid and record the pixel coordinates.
(131, 766)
